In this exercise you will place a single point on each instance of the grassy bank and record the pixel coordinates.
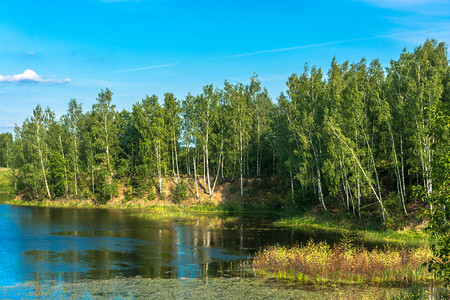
(319, 263)
(411, 237)
(151, 210)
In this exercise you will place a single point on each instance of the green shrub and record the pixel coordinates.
(180, 192)
(151, 195)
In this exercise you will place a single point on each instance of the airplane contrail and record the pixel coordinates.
(147, 67)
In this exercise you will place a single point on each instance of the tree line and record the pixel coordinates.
(358, 137)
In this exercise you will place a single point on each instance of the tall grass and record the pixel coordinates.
(343, 263)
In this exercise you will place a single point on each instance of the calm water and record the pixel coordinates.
(68, 244)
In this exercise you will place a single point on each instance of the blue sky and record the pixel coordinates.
(73, 49)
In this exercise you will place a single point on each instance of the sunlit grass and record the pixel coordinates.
(319, 263)
(162, 213)
(409, 238)
(55, 203)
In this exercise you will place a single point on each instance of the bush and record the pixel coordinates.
(151, 195)
(128, 196)
(180, 192)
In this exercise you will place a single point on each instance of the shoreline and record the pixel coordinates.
(412, 238)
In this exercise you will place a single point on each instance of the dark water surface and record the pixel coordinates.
(71, 244)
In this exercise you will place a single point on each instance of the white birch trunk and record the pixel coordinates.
(204, 171)
(176, 160)
(158, 160)
(400, 187)
(319, 181)
(92, 171)
(66, 185)
(75, 164)
(292, 186)
(218, 167)
(41, 156)
(195, 176)
(240, 160)
(107, 150)
(365, 175)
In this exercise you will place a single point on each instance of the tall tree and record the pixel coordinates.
(173, 123)
(238, 99)
(150, 124)
(188, 124)
(104, 131)
(262, 107)
(305, 118)
(206, 112)
(39, 122)
(73, 120)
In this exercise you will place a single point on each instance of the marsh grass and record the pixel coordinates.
(319, 263)
(162, 213)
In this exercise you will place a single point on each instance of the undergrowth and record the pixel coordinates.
(5, 180)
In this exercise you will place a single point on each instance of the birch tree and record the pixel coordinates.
(104, 130)
(73, 120)
(39, 122)
(173, 123)
(237, 98)
(206, 112)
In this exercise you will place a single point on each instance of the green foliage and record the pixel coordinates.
(418, 292)
(438, 212)
(180, 192)
(151, 195)
(105, 140)
(5, 180)
(6, 155)
(128, 196)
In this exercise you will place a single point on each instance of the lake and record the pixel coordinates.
(71, 244)
(112, 253)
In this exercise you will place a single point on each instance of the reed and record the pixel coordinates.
(343, 263)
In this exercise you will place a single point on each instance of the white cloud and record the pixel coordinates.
(30, 76)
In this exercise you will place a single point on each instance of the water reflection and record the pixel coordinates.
(67, 244)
